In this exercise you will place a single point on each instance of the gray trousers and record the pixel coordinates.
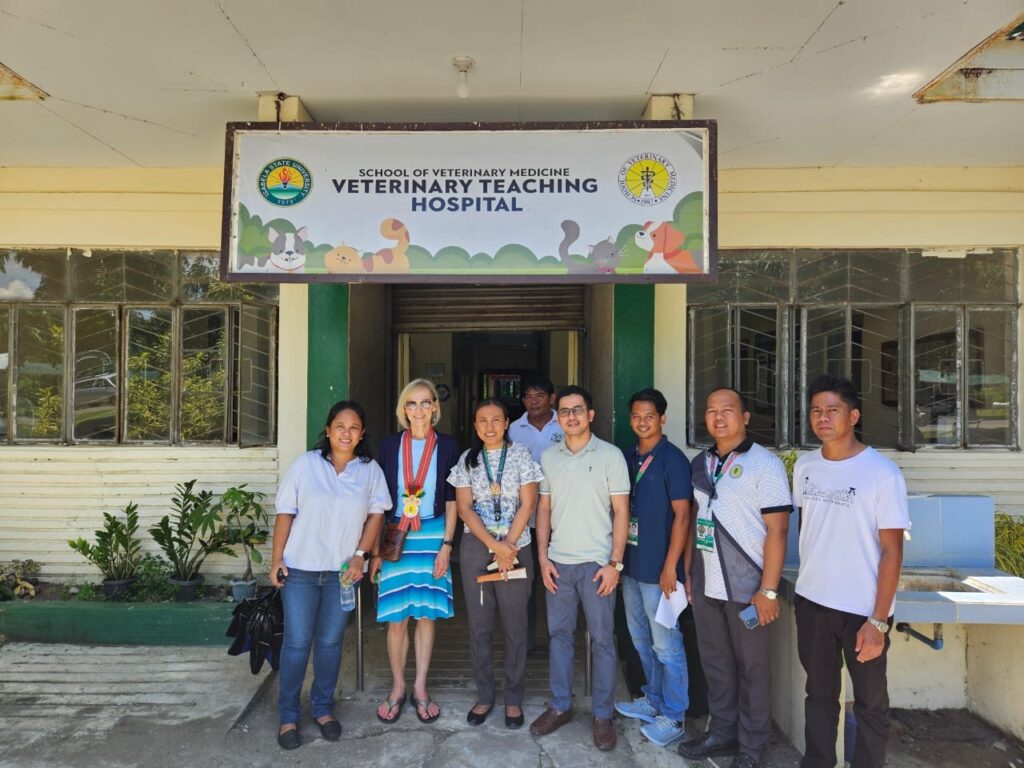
(576, 585)
(737, 665)
(510, 598)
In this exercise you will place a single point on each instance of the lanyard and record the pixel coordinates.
(723, 468)
(640, 473)
(495, 483)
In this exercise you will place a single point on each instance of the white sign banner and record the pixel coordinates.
(611, 202)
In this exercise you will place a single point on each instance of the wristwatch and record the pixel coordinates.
(616, 565)
(361, 553)
(881, 626)
(449, 542)
(771, 594)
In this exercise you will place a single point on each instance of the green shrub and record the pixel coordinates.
(192, 533)
(1010, 544)
(152, 585)
(117, 550)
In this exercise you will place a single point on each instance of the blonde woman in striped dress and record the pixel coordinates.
(416, 463)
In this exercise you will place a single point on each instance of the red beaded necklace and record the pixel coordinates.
(414, 486)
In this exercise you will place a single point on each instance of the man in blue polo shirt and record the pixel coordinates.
(660, 492)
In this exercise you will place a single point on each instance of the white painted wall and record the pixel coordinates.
(995, 676)
(292, 367)
(51, 494)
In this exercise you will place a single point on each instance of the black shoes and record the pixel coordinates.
(330, 730)
(289, 739)
(514, 721)
(477, 718)
(707, 745)
(743, 760)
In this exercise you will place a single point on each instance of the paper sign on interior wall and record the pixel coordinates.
(595, 202)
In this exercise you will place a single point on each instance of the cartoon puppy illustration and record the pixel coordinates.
(287, 250)
(664, 245)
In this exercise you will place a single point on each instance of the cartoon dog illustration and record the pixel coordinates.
(664, 245)
(287, 252)
(395, 260)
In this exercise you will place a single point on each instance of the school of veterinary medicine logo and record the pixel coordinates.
(285, 182)
(647, 179)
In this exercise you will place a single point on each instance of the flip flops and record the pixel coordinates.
(399, 703)
(425, 703)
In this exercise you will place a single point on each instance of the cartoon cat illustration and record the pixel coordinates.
(664, 245)
(603, 257)
(394, 260)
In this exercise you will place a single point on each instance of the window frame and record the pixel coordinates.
(792, 429)
(177, 305)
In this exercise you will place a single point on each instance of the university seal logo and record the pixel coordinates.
(285, 182)
(647, 179)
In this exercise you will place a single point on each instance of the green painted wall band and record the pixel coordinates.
(633, 350)
(327, 375)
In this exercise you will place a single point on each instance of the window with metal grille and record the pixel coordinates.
(109, 347)
(929, 342)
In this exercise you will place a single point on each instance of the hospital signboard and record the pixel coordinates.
(577, 202)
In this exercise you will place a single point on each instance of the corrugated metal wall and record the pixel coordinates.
(51, 494)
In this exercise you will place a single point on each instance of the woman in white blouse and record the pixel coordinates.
(495, 492)
(329, 513)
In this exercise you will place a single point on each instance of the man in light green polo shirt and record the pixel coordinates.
(582, 521)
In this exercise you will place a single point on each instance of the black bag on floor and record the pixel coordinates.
(257, 625)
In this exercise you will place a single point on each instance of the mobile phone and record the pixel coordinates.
(749, 617)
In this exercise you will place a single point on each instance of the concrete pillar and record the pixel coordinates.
(281, 108)
(670, 302)
(293, 321)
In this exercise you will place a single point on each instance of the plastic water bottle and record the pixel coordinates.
(348, 591)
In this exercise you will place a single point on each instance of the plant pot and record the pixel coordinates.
(242, 590)
(187, 590)
(117, 590)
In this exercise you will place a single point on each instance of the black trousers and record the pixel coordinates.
(737, 665)
(824, 637)
(509, 599)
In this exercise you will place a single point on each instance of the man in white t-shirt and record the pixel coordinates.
(853, 511)
(538, 429)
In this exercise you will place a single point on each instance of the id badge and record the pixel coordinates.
(633, 537)
(706, 534)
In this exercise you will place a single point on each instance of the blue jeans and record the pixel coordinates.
(312, 613)
(660, 650)
(576, 585)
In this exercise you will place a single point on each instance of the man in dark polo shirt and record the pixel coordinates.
(660, 492)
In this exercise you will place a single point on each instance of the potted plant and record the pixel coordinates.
(189, 535)
(246, 521)
(117, 552)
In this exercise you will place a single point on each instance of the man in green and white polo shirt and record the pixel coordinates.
(743, 504)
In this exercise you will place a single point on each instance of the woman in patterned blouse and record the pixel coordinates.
(495, 491)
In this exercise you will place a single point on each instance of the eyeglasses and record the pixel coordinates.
(565, 413)
(412, 405)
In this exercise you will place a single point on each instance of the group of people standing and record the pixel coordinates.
(544, 499)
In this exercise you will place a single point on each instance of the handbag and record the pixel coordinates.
(393, 543)
(257, 626)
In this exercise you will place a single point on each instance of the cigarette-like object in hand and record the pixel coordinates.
(493, 565)
(516, 573)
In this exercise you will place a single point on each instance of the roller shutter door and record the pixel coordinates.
(488, 308)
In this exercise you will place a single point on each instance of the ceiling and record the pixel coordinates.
(792, 83)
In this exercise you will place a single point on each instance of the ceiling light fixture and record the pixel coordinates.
(463, 64)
